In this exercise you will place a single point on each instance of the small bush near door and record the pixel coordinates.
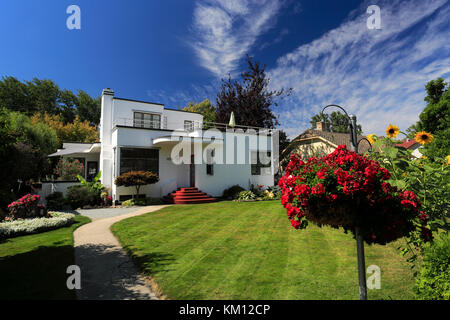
(232, 192)
(80, 196)
(55, 201)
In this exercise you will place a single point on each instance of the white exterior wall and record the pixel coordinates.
(171, 176)
(54, 186)
(175, 119)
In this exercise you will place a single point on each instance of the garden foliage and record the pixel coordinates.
(346, 189)
(26, 207)
(232, 192)
(433, 283)
(136, 179)
(9, 229)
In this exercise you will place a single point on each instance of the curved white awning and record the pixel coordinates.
(168, 140)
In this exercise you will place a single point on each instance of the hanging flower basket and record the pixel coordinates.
(346, 189)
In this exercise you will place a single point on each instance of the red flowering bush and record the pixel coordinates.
(346, 189)
(26, 207)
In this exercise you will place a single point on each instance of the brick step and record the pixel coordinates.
(194, 201)
(205, 196)
(187, 194)
(188, 189)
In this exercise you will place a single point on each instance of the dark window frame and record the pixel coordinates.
(256, 168)
(154, 118)
(134, 159)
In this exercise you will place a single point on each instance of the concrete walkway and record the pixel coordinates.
(107, 273)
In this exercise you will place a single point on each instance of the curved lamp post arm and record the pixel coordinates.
(358, 235)
(352, 125)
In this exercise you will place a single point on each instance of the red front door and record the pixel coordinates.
(192, 172)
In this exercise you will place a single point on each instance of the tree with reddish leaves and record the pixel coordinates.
(136, 179)
(251, 100)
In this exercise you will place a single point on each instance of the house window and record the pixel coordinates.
(147, 120)
(188, 125)
(209, 164)
(257, 167)
(134, 159)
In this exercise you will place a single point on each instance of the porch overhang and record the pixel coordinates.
(77, 148)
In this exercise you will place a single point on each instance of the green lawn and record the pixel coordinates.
(34, 266)
(229, 250)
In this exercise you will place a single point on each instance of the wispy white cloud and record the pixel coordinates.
(377, 74)
(225, 30)
(180, 98)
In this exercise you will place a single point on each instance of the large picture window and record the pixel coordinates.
(259, 168)
(147, 120)
(134, 159)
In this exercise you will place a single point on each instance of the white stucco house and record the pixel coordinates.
(138, 135)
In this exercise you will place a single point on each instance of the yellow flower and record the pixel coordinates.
(424, 137)
(448, 159)
(370, 138)
(424, 157)
(392, 131)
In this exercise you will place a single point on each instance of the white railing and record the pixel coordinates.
(138, 123)
(188, 127)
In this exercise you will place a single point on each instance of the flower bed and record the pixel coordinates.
(346, 189)
(22, 227)
(26, 207)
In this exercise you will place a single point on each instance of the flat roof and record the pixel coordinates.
(159, 104)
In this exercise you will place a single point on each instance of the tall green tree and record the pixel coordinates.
(88, 108)
(14, 94)
(436, 115)
(337, 122)
(250, 98)
(205, 108)
(435, 118)
(44, 96)
(24, 149)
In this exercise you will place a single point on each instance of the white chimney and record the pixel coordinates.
(106, 116)
(106, 151)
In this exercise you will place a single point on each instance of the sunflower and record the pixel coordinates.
(448, 159)
(370, 138)
(392, 131)
(423, 137)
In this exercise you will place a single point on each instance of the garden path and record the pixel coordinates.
(107, 272)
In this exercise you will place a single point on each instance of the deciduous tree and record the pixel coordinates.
(250, 99)
(136, 179)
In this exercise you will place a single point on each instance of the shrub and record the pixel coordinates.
(94, 184)
(79, 196)
(136, 179)
(232, 192)
(269, 194)
(68, 169)
(153, 201)
(55, 201)
(26, 207)
(433, 283)
(36, 225)
(276, 190)
(128, 203)
(246, 195)
(258, 190)
(346, 189)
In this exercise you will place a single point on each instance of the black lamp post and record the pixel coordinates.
(358, 235)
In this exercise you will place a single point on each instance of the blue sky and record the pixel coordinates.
(174, 52)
